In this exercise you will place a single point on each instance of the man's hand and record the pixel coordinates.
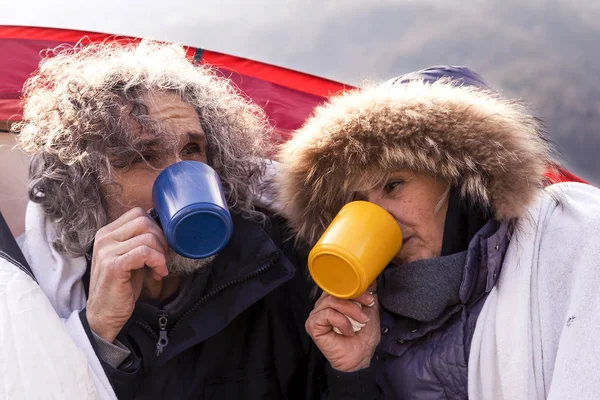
(121, 250)
(349, 351)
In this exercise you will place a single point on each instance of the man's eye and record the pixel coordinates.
(144, 158)
(191, 149)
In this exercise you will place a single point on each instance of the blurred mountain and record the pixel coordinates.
(546, 52)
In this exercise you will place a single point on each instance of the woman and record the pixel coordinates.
(492, 295)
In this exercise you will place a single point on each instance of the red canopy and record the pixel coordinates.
(288, 97)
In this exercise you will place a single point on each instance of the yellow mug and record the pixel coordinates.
(358, 244)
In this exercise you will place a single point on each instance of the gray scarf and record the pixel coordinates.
(422, 290)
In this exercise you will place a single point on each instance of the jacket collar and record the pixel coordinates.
(482, 268)
(249, 267)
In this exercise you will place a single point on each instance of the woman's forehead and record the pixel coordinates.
(375, 178)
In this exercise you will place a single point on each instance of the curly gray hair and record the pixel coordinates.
(83, 118)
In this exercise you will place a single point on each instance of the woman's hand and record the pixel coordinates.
(349, 351)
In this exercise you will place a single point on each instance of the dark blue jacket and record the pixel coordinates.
(427, 361)
(243, 338)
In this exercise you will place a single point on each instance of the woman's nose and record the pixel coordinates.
(377, 198)
(374, 197)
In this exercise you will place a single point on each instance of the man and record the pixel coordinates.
(101, 122)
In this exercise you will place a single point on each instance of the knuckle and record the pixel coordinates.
(310, 326)
(141, 223)
(100, 235)
(138, 211)
(103, 242)
(148, 238)
(161, 259)
(328, 313)
(335, 304)
(101, 252)
(113, 265)
(144, 250)
(155, 242)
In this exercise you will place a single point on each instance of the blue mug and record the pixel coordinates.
(190, 207)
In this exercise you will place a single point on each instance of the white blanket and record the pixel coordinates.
(42, 323)
(39, 360)
(537, 335)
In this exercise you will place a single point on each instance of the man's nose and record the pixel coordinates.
(173, 160)
(165, 163)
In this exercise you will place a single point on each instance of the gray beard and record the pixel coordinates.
(179, 265)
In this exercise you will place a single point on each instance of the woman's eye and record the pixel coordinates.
(391, 185)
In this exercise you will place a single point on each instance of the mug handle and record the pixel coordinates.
(154, 215)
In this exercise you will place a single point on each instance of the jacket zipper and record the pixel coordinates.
(163, 335)
(146, 326)
(163, 339)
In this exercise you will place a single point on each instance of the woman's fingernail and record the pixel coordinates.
(371, 304)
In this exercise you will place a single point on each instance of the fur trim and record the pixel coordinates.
(490, 146)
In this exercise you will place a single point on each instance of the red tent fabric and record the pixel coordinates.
(288, 97)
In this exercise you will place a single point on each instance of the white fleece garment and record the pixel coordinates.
(64, 296)
(39, 359)
(537, 334)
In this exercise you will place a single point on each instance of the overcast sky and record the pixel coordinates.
(278, 32)
(346, 40)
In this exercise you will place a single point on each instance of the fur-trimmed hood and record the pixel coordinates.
(489, 146)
